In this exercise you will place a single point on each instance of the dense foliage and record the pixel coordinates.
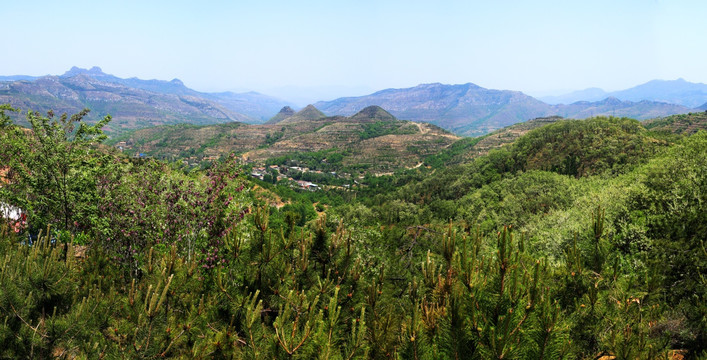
(582, 239)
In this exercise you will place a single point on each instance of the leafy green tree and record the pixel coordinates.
(53, 172)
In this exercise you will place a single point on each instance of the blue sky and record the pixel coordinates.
(325, 49)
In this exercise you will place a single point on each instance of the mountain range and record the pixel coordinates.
(680, 92)
(133, 103)
(466, 109)
(472, 110)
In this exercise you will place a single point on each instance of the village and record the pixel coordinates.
(294, 175)
(297, 177)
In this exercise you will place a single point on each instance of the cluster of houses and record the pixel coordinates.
(278, 172)
(260, 172)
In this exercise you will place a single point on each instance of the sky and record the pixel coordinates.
(319, 50)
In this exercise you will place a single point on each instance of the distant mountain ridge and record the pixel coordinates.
(258, 107)
(133, 102)
(174, 86)
(18, 77)
(612, 106)
(465, 109)
(680, 92)
(130, 107)
(589, 94)
(469, 109)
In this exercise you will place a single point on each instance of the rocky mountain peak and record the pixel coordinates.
(74, 71)
(287, 111)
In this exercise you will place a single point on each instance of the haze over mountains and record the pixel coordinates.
(680, 92)
(466, 109)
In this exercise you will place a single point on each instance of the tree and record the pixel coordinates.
(52, 174)
(8, 132)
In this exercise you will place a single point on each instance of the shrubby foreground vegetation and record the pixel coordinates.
(582, 239)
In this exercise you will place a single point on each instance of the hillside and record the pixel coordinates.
(578, 148)
(467, 149)
(683, 124)
(576, 238)
(472, 110)
(371, 139)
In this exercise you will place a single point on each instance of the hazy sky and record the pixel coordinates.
(358, 46)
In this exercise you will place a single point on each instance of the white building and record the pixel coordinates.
(10, 212)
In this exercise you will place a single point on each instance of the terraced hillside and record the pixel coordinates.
(371, 139)
(466, 149)
(685, 124)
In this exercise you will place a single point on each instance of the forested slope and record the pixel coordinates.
(580, 239)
